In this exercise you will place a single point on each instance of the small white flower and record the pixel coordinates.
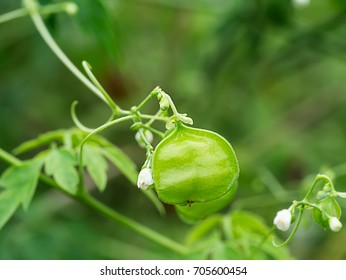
(145, 179)
(283, 219)
(148, 136)
(335, 224)
(301, 3)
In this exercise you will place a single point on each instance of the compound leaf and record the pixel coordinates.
(61, 164)
(19, 185)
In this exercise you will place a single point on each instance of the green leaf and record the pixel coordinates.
(252, 238)
(126, 167)
(9, 202)
(96, 165)
(60, 163)
(40, 141)
(330, 206)
(19, 183)
(319, 218)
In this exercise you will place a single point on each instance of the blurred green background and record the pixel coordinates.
(268, 75)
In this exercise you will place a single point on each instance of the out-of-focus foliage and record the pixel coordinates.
(266, 74)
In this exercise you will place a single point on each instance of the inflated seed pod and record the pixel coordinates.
(192, 166)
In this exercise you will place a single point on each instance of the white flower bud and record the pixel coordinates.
(164, 103)
(283, 219)
(148, 136)
(335, 224)
(145, 179)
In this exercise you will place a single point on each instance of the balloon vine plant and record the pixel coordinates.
(194, 170)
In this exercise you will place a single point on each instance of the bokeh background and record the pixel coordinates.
(268, 75)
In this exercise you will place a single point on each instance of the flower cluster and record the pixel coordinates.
(326, 211)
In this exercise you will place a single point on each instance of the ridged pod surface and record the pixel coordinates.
(193, 165)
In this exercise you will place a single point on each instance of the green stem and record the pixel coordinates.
(153, 130)
(13, 15)
(22, 12)
(318, 178)
(151, 95)
(106, 211)
(34, 8)
(171, 104)
(111, 103)
(76, 120)
(10, 159)
(95, 131)
(142, 230)
(153, 117)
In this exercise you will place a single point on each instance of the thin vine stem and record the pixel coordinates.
(34, 8)
(151, 95)
(14, 15)
(110, 101)
(95, 131)
(10, 159)
(153, 117)
(319, 178)
(46, 10)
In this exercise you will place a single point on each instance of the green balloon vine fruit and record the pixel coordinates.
(193, 166)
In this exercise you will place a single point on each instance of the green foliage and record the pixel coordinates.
(238, 235)
(330, 207)
(41, 140)
(19, 185)
(267, 75)
(61, 164)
